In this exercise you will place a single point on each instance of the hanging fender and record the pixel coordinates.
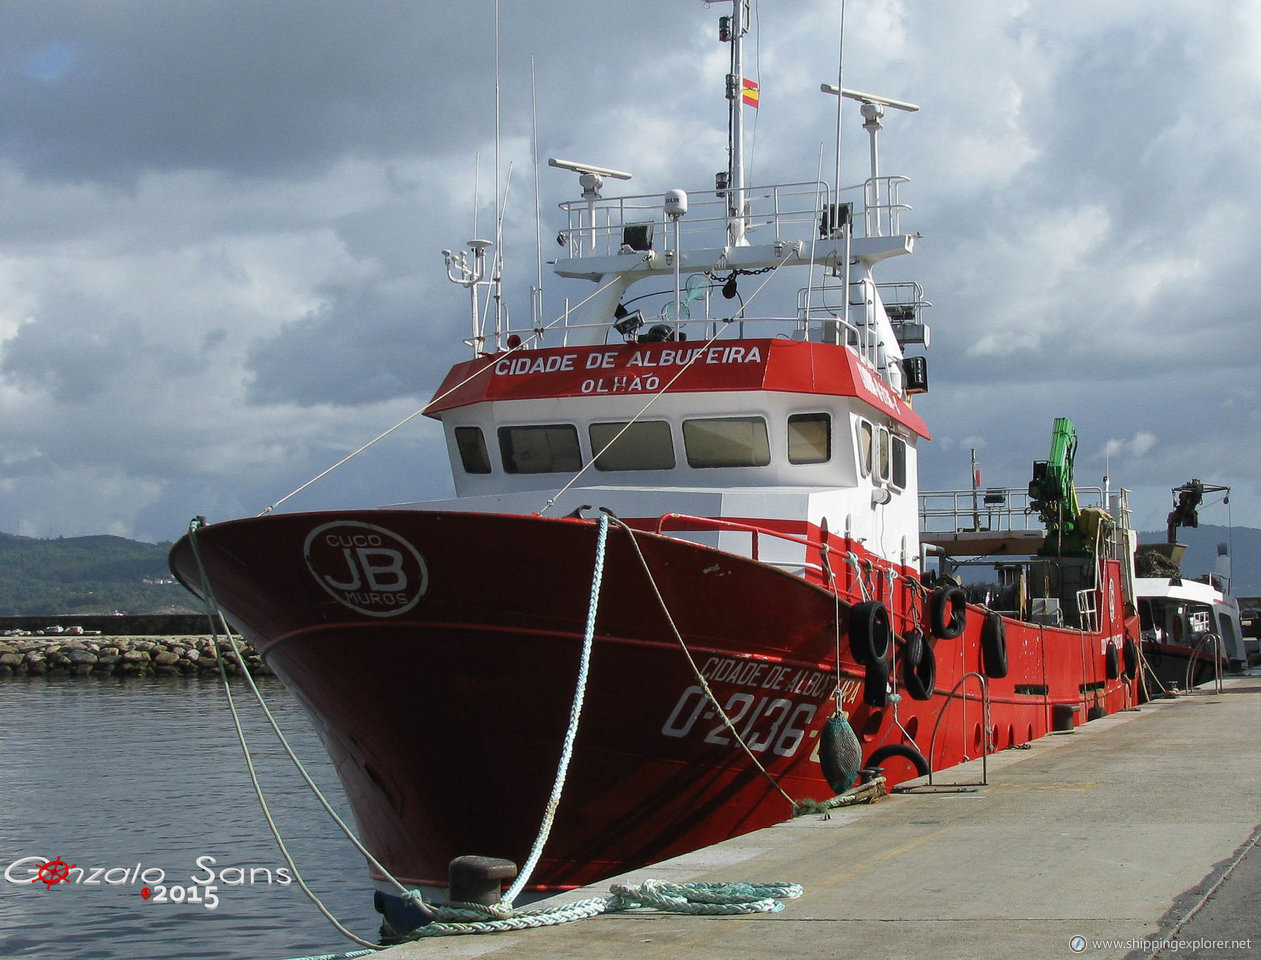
(905, 750)
(994, 646)
(870, 635)
(913, 647)
(840, 753)
(1112, 661)
(876, 684)
(947, 612)
(920, 678)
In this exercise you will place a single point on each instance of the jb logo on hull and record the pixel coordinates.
(366, 567)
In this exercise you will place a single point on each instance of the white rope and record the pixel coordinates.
(696, 670)
(575, 714)
(491, 361)
(851, 559)
(696, 355)
(214, 612)
(466, 918)
(713, 899)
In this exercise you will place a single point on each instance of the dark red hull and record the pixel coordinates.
(443, 705)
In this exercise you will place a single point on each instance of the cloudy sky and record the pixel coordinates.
(221, 225)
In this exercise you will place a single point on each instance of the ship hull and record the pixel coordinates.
(438, 654)
(1172, 666)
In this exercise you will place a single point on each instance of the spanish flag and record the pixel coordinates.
(750, 92)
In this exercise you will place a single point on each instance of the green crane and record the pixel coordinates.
(1052, 495)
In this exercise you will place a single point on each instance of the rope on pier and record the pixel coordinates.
(216, 620)
(575, 714)
(713, 899)
(466, 918)
(696, 670)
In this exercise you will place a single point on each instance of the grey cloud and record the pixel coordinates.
(360, 348)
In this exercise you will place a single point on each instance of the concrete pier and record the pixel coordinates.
(1130, 831)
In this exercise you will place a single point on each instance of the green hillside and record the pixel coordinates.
(102, 574)
(81, 575)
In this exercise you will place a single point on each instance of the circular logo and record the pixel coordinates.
(53, 871)
(366, 567)
(1077, 944)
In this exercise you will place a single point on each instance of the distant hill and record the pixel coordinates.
(1201, 556)
(103, 574)
(83, 575)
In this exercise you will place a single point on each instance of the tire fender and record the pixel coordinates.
(919, 679)
(870, 634)
(948, 612)
(904, 750)
(1112, 662)
(913, 648)
(994, 646)
(876, 684)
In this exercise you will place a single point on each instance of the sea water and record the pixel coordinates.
(140, 786)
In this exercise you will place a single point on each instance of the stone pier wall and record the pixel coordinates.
(80, 656)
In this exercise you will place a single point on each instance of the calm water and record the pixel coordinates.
(108, 774)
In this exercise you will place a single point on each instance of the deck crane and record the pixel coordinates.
(1186, 498)
(1053, 496)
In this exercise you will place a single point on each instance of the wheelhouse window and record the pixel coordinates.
(645, 445)
(898, 478)
(472, 446)
(549, 448)
(809, 438)
(882, 454)
(726, 442)
(864, 447)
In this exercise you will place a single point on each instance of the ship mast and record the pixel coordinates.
(732, 30)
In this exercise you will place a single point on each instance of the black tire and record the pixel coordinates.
(876, 684)
(913, 649)
(948, 612)
(1095, 713)
(1129, 657)
(1112, 661)
(920, 678)
(994, 647)
(870, 634)
(903, 750)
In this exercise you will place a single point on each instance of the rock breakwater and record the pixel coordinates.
(122, 657)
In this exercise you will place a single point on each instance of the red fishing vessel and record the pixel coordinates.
(735, 387)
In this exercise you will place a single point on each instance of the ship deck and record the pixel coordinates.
(1115, 832)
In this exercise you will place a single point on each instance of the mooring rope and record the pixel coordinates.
(697, 353)
(700, 677)
(490, 362)
(851, 559)
(575, 714)
(217, 619)
(714, 899)
(467, 918)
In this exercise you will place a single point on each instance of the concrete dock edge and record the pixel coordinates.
(1102, 843)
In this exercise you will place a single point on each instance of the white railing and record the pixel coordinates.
(883, 213)
(788, 212)
(779, 212)
(989, 509)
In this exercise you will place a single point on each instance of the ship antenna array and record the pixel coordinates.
(591, 179)
(732, 30)
(873, 112)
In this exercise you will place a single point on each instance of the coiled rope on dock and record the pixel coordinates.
(710, 899)
(458, 918)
